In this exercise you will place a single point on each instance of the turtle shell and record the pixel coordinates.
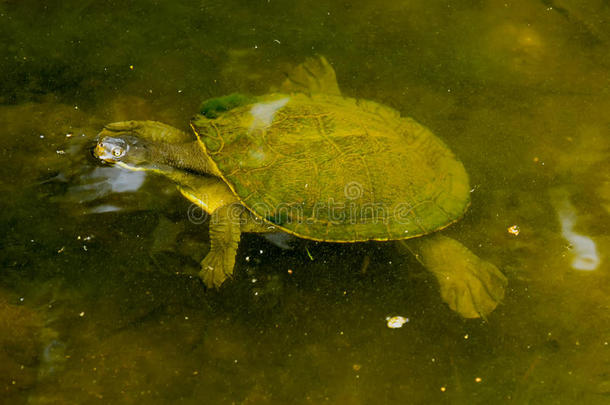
(333, 168)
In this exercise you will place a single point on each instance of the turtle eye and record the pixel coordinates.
(117, 151)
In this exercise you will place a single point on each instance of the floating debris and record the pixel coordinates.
(514, 230)
(396, 322)
(309, 254)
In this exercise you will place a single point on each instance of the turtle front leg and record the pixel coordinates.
(469, 285)
(225, 232)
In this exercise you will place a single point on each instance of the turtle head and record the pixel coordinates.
(127, 151)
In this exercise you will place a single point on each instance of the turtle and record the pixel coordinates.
(308, 161)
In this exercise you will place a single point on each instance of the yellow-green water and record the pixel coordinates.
(97, 301)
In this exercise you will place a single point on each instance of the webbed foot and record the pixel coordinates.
(472, 287)
(225, 232)
(216, 267)
(315, 75)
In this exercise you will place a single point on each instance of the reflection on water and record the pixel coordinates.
(584, 250)
(103, 181)
(263, 113)
(517, 89)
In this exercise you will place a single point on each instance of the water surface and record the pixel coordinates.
(98, 303)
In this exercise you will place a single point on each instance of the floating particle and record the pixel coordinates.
(396, 322)
(514, 230)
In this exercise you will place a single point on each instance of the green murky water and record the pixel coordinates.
(97, 299)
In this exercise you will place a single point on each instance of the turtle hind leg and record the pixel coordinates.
(214, 107)
(315, 75)
(225, 232)
(470, 286)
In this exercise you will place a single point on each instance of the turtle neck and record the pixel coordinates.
(184, 156)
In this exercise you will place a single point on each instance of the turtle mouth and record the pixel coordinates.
(102, 153)
(99, 151)
(110, 150)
